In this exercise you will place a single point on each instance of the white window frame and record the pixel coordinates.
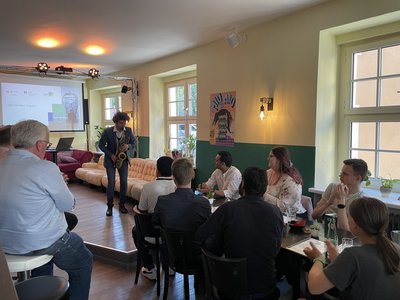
(347, 114)
(186, 119)
(109, 122)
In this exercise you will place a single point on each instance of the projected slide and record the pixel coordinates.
(59, 107)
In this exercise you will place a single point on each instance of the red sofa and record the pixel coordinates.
(69, 161)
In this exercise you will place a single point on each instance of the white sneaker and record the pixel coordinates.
(171, 272)
(149, 274)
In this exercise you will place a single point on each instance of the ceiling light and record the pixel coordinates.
(95, 50)
(93, 73)
(47, 42)
(42, 67)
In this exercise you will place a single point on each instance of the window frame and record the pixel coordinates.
(186, 119)
(348, 114)
(109, 123)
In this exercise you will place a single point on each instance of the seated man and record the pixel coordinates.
(34, 197)
(339, 196)
(182, 211)
(251, 228)
(225, 176)
(163, 185)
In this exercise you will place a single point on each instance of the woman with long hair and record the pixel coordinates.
(369, 271)
(284, 182)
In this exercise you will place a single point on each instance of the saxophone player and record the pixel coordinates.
(114, 142)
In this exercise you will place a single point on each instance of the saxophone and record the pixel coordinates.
(121, 155)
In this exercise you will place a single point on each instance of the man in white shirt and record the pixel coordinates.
(338, 196)
(163, 185)
(226, 177)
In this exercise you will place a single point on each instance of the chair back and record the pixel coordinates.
(227, 275)
(183, 255)
(144, 222)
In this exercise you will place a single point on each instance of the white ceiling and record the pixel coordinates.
(132, 31)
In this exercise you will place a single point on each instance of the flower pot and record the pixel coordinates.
(385, 191)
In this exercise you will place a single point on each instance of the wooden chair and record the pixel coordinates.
(225, 277)
(181, 255)
(144, 230)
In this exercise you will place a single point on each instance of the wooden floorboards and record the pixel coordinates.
(112, 280)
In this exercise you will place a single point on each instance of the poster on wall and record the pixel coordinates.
(222, 117)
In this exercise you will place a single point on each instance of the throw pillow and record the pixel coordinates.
(67, 159)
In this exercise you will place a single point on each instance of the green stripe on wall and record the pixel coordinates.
(248, 155)
(144, 142)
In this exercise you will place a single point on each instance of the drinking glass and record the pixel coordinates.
(395, 234)
(347, 243)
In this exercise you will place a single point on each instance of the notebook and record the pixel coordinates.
(64, 144)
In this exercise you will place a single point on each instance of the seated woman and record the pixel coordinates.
(284, 182)
(369, 271)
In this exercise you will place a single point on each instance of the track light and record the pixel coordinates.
(62, 70)
(42, 67)
(94, 73)
(125, 89)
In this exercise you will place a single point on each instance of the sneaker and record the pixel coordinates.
(123, 209)
(149, 274)
(171, 272)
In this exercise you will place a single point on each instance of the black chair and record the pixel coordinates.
(43, 288)
(226, 278)
(181, 255)
(144, 228)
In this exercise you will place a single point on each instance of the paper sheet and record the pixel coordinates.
(298, 248)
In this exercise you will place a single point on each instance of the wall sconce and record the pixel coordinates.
(270, 106)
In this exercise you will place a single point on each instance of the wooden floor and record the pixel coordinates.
(111, 280)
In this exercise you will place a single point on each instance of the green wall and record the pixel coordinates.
(246, 155)
(144, 142)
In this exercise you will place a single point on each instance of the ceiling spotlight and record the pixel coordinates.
(94, 73)
(125, 89)
(42, 67)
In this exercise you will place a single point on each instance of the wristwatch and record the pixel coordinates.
(341, 206)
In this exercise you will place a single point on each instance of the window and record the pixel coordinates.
(371, 105)
(181, 112)
(112, 104)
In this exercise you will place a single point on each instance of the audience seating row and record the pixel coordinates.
(140, 172)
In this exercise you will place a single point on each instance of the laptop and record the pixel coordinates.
(64, 144)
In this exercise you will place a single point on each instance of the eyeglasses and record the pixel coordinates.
(48, 144)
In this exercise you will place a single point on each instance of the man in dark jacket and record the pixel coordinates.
(114, 142)
(248, 227)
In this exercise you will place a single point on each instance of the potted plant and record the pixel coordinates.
(189, 144)
(99, 132)
(314, 229)
(386, 186)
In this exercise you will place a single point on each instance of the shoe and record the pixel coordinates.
(171, 272)
(149, 274)
(109, 212)
(123, 209)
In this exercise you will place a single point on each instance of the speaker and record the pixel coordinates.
(86, 111)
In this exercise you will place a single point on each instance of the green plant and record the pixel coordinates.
(190, 144)
(366, 179)
(388, 183)
(99, 132)
(315, 227)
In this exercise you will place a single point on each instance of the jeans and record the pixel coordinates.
(71, 255)
(123, 181)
